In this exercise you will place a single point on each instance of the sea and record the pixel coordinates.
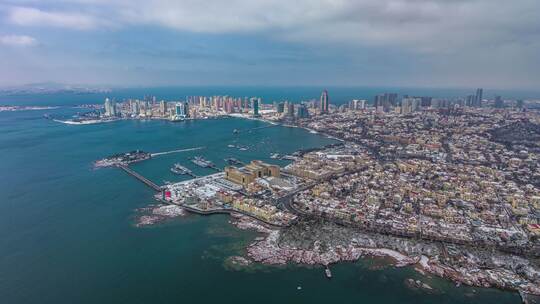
(68, 232)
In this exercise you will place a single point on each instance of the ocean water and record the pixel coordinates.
(338, 95)
(67, 232)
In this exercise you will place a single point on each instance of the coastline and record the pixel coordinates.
(271, 249)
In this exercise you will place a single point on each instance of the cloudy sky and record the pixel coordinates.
(433, 43)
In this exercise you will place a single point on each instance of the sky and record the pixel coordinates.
(425, 43)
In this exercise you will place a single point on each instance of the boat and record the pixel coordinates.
(179, 169)
(275, 156)
(231, 146)
(236, 131)
(288, 157)
(233, 161)
(202, 162)
(327, 272)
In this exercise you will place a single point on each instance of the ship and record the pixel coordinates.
(202, 162)
(180, 170)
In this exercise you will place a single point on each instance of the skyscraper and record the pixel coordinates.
(470, 101)
(280, 107)
(163, 107)
(179, 109)
(290, 109)
(186, 109)
(110, 107)
(107, 107)
(255, 106)
(384, 102)
(325, 102)
(409, 105)
(499, 103)
(478, 97)
(302, 111)
(356, 104)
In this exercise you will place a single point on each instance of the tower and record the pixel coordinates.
(325, 102)
(499, 103)
(186, 109)
(107, 107)
(163, 107)
(179, 109)
(255, 106)
(478, 97)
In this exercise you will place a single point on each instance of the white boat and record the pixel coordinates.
(327, 272)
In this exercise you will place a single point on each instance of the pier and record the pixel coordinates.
(176, 151)
(143, 179)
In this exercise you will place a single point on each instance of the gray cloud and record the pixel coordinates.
(420, 25)
(18, 40)
(491, 40)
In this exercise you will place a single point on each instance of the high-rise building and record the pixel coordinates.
(290, 109)
(302, 111)
(280, 107)
(499, 103)
(179, 109)
(186, 109)
(325, 102)
(255, 106)
(409, 105)
(425, 101)
(134, 107)
(520, 104)
(357, 104)
(384, 102)
(107, 107)
(478, 97)
(110, 107)
(163, 108)
(470, 100)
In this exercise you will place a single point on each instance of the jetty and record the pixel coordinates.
(176, 151)
(141, 178)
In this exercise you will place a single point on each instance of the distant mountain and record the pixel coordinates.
(50, 88)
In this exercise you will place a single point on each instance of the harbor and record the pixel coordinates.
(188, 242)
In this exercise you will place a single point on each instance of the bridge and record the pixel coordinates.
(143, 179)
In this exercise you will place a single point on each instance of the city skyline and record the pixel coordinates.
(478, 43)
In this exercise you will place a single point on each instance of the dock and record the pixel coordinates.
(141, 178)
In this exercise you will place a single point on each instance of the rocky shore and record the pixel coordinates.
(158, 213)
(317, 242)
